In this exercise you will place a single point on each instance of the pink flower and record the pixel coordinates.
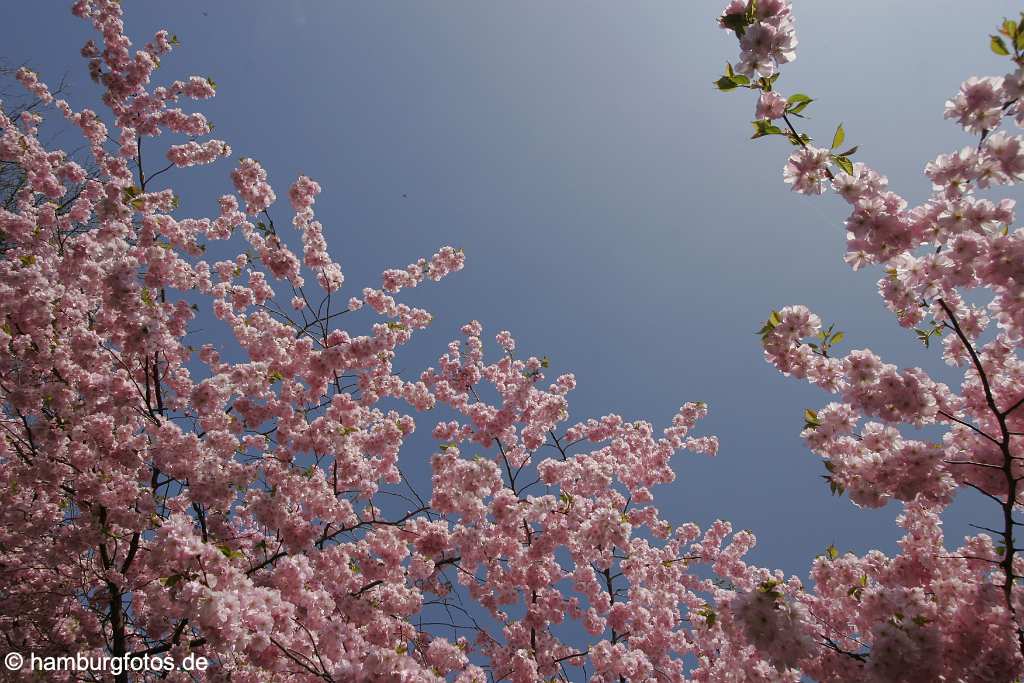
(806, 170)
(770, 105)
(978, 105)
(251, 182)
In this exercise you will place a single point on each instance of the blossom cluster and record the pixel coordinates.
(766, 33)
(953, 271)
(162, 491)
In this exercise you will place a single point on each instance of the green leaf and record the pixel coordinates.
(735, 22)
(843, 163)
(765, 127)
(228, 552)
(796, 141)
(998, 46)
(837, 337)
(798, 97)
(726, 83)
(798, 107)
(848, 153)
(709, 615)
(772, 322)
(838, 138)
(731, 81)
(831, 552)
(171, 580)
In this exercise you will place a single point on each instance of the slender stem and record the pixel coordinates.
(1012, 481)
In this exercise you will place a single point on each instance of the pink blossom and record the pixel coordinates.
(770, 105)
(806, 170)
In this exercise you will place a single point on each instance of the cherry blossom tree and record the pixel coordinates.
(160, 497)
(954, 273)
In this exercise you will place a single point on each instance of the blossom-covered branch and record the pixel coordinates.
(928, 613)
(241, 495)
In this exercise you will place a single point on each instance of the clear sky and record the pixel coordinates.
(615, 215)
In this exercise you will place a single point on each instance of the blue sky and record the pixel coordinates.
(615, 215)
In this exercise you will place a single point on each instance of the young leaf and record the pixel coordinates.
(171, 580)
(798, 107)
(843, 163)
(804, 138)
(726, 83)
(735, 22)
(764, 127)
(998, 46)
(838, 138)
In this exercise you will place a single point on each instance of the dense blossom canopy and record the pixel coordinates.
(161, 497)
